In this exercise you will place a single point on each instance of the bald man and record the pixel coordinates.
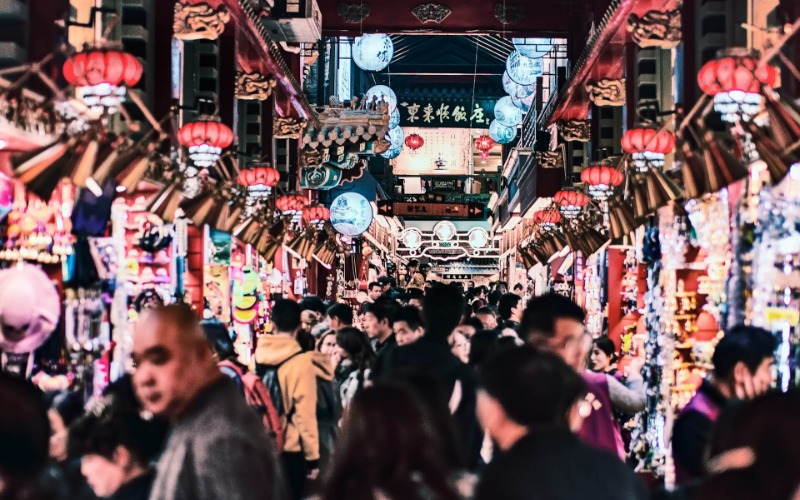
(217, 449)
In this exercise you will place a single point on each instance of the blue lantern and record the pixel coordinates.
(516, 90)
(395, 137)
(533, 47)
(392, 152)
(524, 70)
(394, 118)
(525, 103)
(500, 133)
(383, 93)
(506, 113)
(373, 52)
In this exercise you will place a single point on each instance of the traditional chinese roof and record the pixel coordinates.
(341, 126)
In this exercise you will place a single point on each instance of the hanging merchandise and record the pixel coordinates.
(506, 113)
(373, 52)
(501, 133)
(205, 140)
(515, 90)
(524, 70)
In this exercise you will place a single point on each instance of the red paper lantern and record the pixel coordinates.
(484, 143)
(205, 140)
(735, 69)
(291, 204)
(570, 202)
(101, 76)
(547, 218)
(601, 180)
(648, 139)
(316, 214)
(259, 176)
(414, 142)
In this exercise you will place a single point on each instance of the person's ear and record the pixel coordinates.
(740, 372)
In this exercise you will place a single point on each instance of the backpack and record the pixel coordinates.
(260, 399)
(269, 376)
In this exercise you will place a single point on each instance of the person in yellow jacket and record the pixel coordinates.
(297, 377)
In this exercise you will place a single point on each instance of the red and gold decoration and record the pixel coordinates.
(601, 180)
(484, 144)
(258, 179)
(205, 140)
(570, 202)
(101, 76)
(291, 204)
(414, 142)
(316, 215)
(648, 146)
(547, 219)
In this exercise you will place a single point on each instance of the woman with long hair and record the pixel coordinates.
(603, 357)
(354, 358)
(388, 451)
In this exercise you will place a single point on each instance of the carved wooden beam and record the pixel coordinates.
(656, 29)
(606, 91)
(574, 130)
(352, 12)
(253, 86)
(199, 21)
(431, 12)
(548, 159)
(287, 127)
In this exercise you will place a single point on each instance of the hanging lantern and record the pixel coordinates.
(647, 146)
(514, 89)
(501, 133)
(316, 215)
(524, 70)
(734, 80)
(258, 179)
(506, 113)
(205, 140)
(533, 47)
(394, 118)
(291, 204)
(381, 93)
(414, 142)
(373, 52)
(101, 77)
(395, 137)
(484, 144)
(547, 219)
(601, 180)
(570, 202)
(525, 103)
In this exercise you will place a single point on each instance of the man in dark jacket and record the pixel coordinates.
(529, 403)
(443, 308)
(378, 322)
(510, 308)
(217, 448)
(742, 370)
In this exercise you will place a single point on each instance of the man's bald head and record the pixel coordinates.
(173, 361)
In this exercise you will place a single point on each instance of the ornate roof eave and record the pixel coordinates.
(572, 102)
(275, 62)
(344, 126)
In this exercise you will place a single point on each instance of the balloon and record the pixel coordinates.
(516, 90)
(500, 133)
(373, 52)
(506, 113)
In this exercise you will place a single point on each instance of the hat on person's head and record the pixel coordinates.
(384, 280)
(29, 308)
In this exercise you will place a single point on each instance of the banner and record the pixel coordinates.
(439, 112)
(431, 210)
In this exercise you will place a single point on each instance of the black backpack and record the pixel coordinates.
(269, 374)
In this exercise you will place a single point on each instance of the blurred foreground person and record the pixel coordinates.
(540, 457)
(388, 450)
(742, 370)
(554, 323)
(217, 448)
(24, 438)
(65, 408)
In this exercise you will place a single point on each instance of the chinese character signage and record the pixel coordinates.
(418, 112)
(431, 210)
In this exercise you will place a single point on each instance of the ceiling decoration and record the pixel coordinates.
(656, 29)
(431, 12)
(199, 21)
(253, 86)
(509, 14)
(353, 12)
(606, 91)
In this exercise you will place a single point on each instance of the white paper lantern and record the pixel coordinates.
(383, 93)
(524, 70)
(506, 113)
(533, 47)
(373, 52)
(394, 118)
(500, 133)
(392, 152)
(516, 90)
(524, 104)
(396, 137)
(351, 214)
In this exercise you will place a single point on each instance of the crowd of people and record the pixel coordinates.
(430, 392)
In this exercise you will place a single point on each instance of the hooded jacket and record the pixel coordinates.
(298, 381)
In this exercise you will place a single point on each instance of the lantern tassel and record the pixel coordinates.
(691, 172)
(722, 168)
(166, 202)
(640, 206)
(325, 254)
(783, 120)
(248, 230)
(770, 153)
(128, 178)
(31, 165)
(85, 165)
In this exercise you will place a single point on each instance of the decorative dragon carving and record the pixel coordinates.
(287, 127)
(574, 130)
(431, 12)
(353, 12)
(656, 29)
(509, 14)
(199, 21)
(606, 91)
(548, 159)
(253, 86)
(310, 157)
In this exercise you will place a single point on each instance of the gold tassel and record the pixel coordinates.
(32, 165)
(666, 185)
(113, 164)
(691, 172)
(640, 210)
(226, 218)
(783, 120)
(302, 245)
(528, 260)
(621, 218)
(248, 230)
(722, 168)
(200, 208)
(770, 153)
(128, 178)
(325, 254)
